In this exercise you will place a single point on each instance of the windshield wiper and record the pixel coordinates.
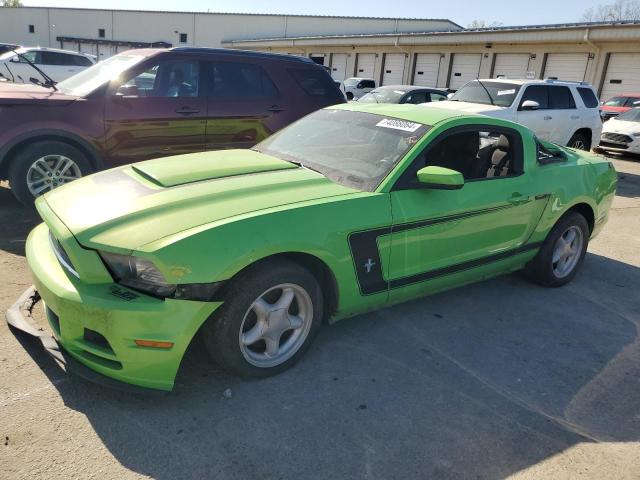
(486, 90)
(48, 81)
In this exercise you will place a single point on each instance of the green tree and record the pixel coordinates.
(10, 3)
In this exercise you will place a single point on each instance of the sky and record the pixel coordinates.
(506, 12)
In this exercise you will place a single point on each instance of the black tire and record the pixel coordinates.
(25, 158)
(541, 270)
(349, 96)
(222, 331)
(579, 141)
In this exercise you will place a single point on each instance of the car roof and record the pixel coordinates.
(241, 53)
(410, 87)
(421, 114)
(58, 50)
(536, 81)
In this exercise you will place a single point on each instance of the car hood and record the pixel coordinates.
(28, 93)
(126, 208)
(620, 126)
(465, 107)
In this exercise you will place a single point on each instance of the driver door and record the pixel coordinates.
(439, 236)
(159, 109)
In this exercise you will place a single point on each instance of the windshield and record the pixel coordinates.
(501, 94)
(351, 81)
(384, 95)
(616, 102)
(88, 80)
(354, 149)
(632, 115)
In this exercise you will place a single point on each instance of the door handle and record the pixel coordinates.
(548, 117)
(275, 108)
(187, 110)
(518, 199)
(575, 117)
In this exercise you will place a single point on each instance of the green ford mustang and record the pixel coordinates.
(350, 209)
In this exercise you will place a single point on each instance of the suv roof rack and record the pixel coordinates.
(245, 53)
(558, 80)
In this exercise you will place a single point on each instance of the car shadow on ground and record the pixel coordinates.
(482, 381)
(628, 185)
(16, 220)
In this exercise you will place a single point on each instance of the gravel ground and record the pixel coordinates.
(494, 380)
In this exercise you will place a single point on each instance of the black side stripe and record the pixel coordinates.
(460, 267)
(368, 264)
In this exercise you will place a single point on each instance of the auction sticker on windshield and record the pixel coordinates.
(507, 92)
(398, 125)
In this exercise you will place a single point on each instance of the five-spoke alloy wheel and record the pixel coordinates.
(270, 314)
(561, 253)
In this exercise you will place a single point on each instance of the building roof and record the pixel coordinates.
(463, 31)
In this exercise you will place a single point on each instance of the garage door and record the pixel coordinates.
(623, 75)
(393, 68)
(73, 46)
(89, 48)
(566, 66)
(339, 66)
(427, 69)
(465, 67)
(511, 65)
(365, 65)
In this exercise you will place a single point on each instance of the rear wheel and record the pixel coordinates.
(562, 252)
(270, 315)
(349, 96)
(580, 142)
(44, 166)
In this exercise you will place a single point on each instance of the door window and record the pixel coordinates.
(238, 81)
(167, 79)
(436, 97)
(56, 58)
(561, 98)
(537, 93)
(478, 153)
(416, 98)
(314, 81)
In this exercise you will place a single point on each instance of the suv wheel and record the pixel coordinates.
(43, 166)
(270, 315)
(579, 142)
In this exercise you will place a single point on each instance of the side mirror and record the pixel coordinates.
(529, 105)
(15, 59)
(127, 91)
(440, 178)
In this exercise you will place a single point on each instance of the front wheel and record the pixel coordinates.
(562, 252)
(579, 142)
(269, 317)
(44, 166)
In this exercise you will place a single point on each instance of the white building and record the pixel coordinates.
(106, 32)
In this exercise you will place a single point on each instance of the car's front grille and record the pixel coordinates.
(616, 137)
(62, 256)
(619, 146)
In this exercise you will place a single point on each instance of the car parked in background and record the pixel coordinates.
(404, 94)
(622, 133)
(56, 64)
(151, 103)
(617, 105)
(355, 87)
(7, 47)
(561, 112)
(351, 209)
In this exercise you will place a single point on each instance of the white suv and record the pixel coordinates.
(56, 64)
(355, 87)
(561, 112)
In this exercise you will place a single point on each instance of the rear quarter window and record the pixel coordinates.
(561, 98)
(588, 97)
(313, 81)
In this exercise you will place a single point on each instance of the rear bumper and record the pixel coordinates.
(96, 324)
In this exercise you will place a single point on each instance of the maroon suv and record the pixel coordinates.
(151, 103)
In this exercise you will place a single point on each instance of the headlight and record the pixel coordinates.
(138, 274)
